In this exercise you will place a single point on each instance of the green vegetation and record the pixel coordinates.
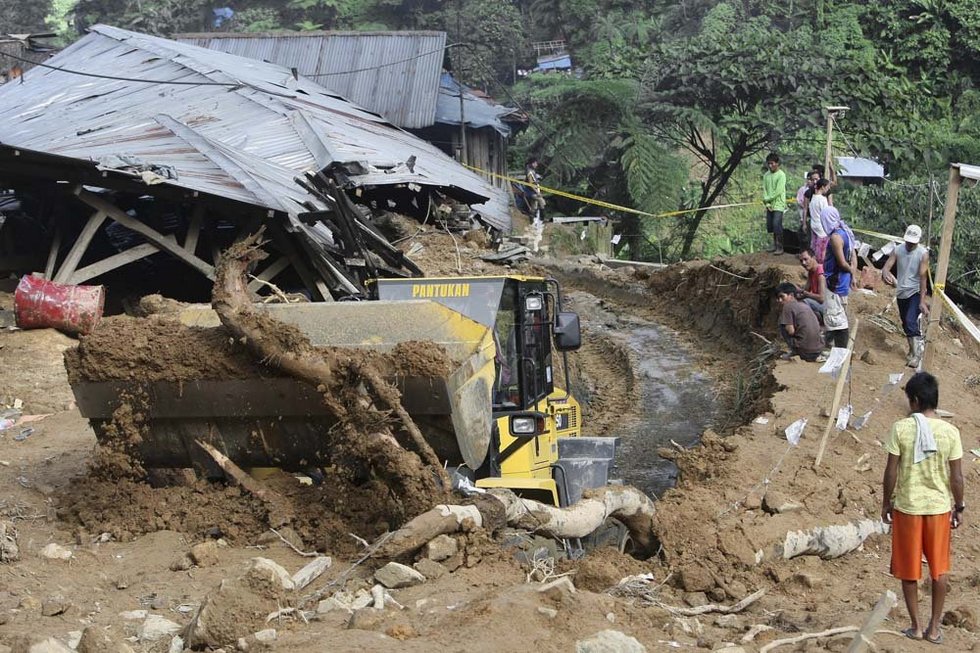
(674, 104)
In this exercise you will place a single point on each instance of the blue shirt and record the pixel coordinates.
(830, 267)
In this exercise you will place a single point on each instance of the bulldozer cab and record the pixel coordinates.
(516, 310)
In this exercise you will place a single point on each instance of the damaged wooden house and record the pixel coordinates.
(132, 160)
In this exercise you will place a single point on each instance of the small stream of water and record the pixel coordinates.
(677, 402)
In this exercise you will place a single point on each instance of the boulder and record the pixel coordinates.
(395, 575)
(441, 548)
(204, 554)
(267, 577)
(156, 627)
(96, 639)
(430, 569)
(609, 641)
(695, 578)
(55, 552)
(49, 645)
(775, 503)
(54, 605)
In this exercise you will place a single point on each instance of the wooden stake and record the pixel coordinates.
(942, 267)
(80, 246)
(845, 369)
(862, 638)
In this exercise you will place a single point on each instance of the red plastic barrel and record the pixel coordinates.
(41, 304)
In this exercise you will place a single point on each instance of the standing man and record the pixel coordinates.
(798, 325)
(815, 205)
(774, 199)
(923, 499)
(911, 285)
(803, 196)
(839, 266)
(532, 192)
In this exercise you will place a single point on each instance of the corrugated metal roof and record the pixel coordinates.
(476, 111)
(852, 166)
(394, 74)
(243, 133)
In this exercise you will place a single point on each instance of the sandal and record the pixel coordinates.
(910, 633)
(938, 639)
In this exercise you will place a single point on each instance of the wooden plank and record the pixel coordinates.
(80, 246)
(862, 638)
(112, 262)
(845, 369)
(269, 273)
(281, 240)
(942, 266)
(166, 244)
(194, 229)
(53, 254)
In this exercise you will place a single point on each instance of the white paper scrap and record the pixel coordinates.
(895, 379)
(844, 416)
(795, 431)
(761, 420)
(615, 239)
(835, 361)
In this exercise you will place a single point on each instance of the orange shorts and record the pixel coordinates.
(915, 535)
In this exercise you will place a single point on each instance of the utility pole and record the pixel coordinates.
(459, 82)
(932, 201)
(831, 112)
(942, 267)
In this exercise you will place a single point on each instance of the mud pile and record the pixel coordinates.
(120, 497)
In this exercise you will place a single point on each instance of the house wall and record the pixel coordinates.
(486, 149)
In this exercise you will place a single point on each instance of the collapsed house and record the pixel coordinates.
(127, 149)
(398, 75)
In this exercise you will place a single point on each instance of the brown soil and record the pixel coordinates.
(711, 527)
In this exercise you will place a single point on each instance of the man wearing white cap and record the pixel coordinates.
(911, 283)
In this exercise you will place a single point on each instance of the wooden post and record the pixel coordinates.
(862, 638)
(830, 132)
(845, 369)
(53, 254)
(942, 267)
(78, 249)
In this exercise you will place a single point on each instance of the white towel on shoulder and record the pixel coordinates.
(925, 443)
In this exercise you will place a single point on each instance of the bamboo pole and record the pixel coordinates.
(862, 638)
(942, 266)
(845, 369)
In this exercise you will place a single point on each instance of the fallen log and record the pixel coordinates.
(627, 504)
(830, 541)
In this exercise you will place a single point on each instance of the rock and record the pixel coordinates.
(730, 648)
(266, 636)
(9, 551)
(96, 639)
(55, 552)
(551, 613)
(267, 577)
(775, 503)
(717, 594)
(441, 548)
(961, 617)
(54, 605)
(269, 538)
(430, 569)
(808, 580)
(156, 627)
(696, 579)
(29, 603)
(870, 357)
(49, 645)
(395, 575)
(160, 603)
(311, 571)
(204, 554)
(609, 641)
(176, 645)
(332, 604)
(133, 615)
(366, 619)
(183, 563)
(728, 621)
(696, 599)
(558, 589)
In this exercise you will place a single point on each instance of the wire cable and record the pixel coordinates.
(383, 65)
(122, 79)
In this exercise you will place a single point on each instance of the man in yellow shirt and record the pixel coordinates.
(923, 499)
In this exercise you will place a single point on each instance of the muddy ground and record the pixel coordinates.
(128, 552)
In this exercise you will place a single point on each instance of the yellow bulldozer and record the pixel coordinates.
(498, 417)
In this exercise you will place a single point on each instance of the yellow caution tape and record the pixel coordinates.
(877, 234)
(611, 206)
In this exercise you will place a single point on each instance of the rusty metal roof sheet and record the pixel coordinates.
(395, 74)
(227, 126)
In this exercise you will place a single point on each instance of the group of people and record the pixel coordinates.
(815, 317)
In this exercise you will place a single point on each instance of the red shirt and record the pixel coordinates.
(813, 280)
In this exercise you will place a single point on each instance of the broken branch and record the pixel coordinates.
(713, 607)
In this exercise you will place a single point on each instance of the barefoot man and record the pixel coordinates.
(923, 500)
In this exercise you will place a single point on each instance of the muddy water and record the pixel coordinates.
(677, 402)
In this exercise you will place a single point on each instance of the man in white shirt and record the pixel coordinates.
(911, 284)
